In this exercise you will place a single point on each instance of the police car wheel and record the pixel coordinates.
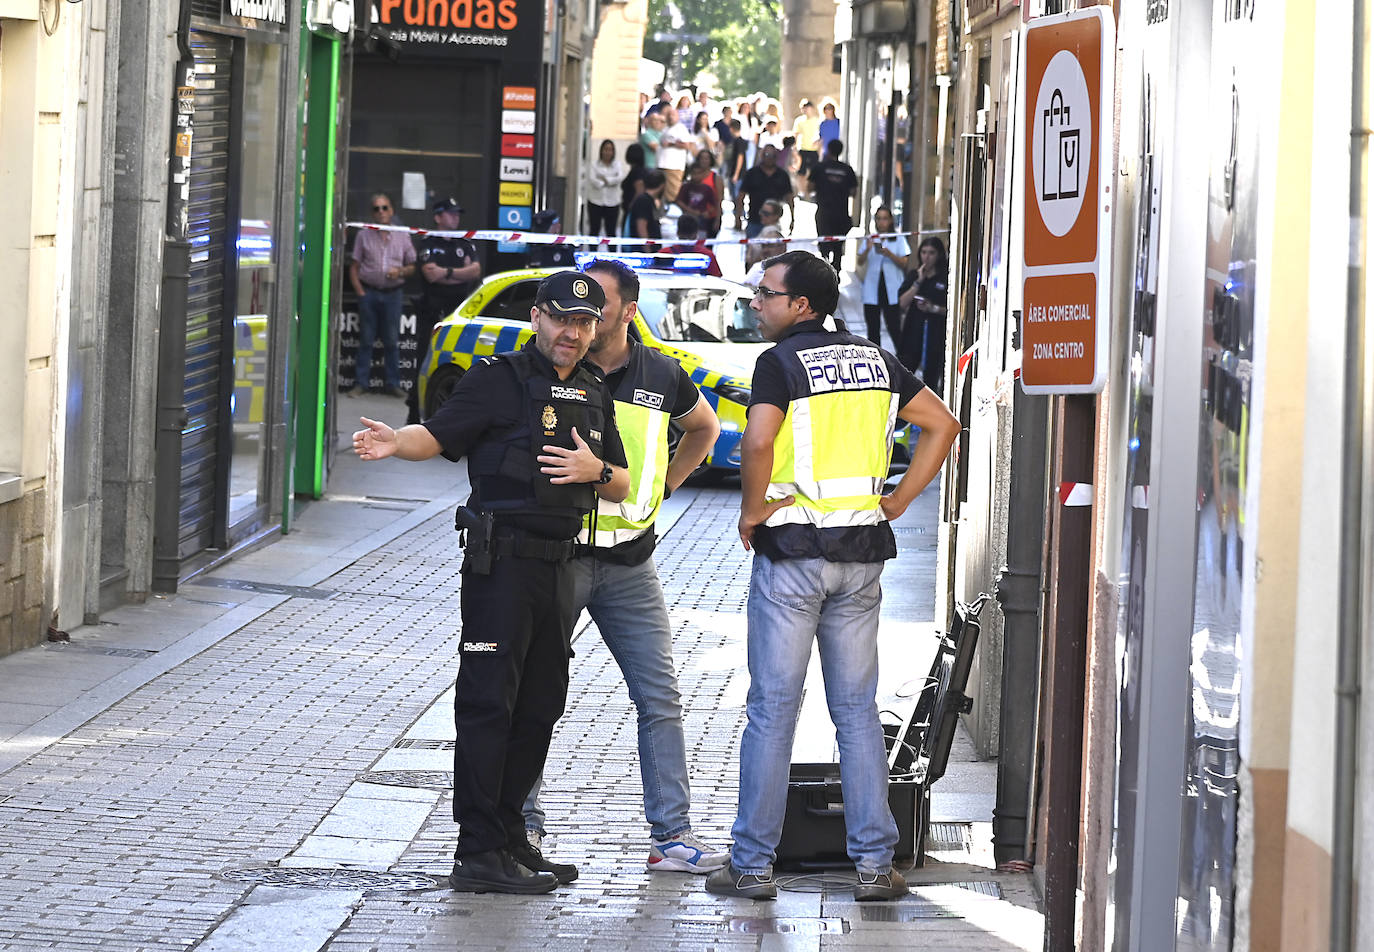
(440, 387)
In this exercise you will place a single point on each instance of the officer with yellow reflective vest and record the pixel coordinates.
(814, 458)
(615, 578)
(537, 428)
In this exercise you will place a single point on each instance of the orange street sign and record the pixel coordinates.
(1067, 213)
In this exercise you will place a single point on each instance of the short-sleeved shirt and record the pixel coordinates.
(488, 403)
(552, 256)
(644, 208)
(699, 198)
(739, 149)
(760, 186)
(770, 383)
(832, 181)
(377, 252)
(868, 543)
(647, 137)
(452, 253)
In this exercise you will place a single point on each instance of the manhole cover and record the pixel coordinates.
(320, 878)
(424, 779)
(265, 588)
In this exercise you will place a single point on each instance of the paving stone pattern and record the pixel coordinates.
(115, 836)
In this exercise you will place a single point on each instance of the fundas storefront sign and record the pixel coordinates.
(498, 25)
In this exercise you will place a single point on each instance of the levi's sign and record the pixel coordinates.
(1067, 213)
(517, 170)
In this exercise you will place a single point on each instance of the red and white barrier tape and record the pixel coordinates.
(1076, 494)
(541, 238)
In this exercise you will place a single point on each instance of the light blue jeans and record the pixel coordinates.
(791, 604)
(626, 602)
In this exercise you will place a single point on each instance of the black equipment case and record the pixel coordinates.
(813, 829)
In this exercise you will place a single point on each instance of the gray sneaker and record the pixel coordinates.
(879, 887)
(728, 881)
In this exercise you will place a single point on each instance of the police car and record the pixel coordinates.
(704, 323)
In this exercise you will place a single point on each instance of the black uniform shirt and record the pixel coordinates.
(759, 185)
(489, 402)
(551, 256)
(832, 181)
(452, 253)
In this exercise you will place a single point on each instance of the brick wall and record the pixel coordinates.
(21, 572)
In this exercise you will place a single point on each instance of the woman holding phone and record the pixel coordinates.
(884, 260)
(924, 298)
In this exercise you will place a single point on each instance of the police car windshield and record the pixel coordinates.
(703, 315)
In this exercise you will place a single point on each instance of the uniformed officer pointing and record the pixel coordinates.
(537, 428)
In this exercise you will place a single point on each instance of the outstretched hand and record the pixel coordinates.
(577, 465)
(378, 441)
(749, 521)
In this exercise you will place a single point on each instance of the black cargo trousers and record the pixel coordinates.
(511, 690)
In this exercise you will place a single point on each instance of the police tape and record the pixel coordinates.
(543, 238)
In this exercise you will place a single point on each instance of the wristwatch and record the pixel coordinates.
(606, 474)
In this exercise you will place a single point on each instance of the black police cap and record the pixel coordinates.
(571, 292)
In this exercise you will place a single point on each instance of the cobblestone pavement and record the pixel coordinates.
(286, 787)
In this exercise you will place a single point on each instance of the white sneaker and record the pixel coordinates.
(685, 853)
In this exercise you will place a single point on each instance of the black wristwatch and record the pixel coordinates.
(606, 474)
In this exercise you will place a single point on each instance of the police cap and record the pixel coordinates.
(449, 204)
(571, 292)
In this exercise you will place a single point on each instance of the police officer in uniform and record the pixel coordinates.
(814, 462)
(538, 430)
(547, 222)
(615, 578)
(449, 269)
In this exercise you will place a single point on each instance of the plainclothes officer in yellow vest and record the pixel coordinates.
(615, 578)
(815, 458)
(538, 430)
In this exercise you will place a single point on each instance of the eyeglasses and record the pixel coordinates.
(579, 323)
(770, 293)
(381, 208)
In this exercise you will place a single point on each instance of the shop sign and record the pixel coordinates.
(264, 15)
(517, 121)
(501, 29)
(517, 170)
(515, 193)
(1064, 326)
(517, 146)
(517, 97)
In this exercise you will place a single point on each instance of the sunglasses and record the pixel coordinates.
(381, 208)
(770, 293)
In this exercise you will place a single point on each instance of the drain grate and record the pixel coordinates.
(423, 779)
(264, 588)
(950, 837)
(324, 878)
(425, 743)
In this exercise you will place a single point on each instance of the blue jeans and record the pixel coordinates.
(626, 602)
(791, 604)
(379, 312)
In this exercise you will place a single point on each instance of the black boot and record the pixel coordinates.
(497, 871)
(531, 858)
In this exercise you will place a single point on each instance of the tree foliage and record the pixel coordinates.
(744, 49)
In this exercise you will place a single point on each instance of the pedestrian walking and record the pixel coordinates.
(449, 269)
(884, 263)
(737, 163)
(537, 428)
(764, 181)
(814, 460)
(834, 184)
(830, 124)
(806, 129)
(603, 191)
(642, 219)
(381, 262)
(614, 576)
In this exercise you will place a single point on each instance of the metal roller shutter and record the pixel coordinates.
(208, 233)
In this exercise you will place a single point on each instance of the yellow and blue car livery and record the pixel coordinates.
(713, 315)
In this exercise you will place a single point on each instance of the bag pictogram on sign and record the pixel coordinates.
(1059, 163)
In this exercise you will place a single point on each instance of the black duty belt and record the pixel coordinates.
(524, 546)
